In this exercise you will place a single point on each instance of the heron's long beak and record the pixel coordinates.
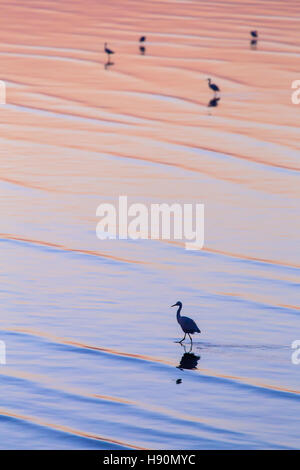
(173, 305)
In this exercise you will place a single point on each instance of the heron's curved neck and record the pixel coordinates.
(178, 311)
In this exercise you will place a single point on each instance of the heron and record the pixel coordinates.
(254, 34)
(108, 51)
(213, 86)
(142, 39)
(187, 324)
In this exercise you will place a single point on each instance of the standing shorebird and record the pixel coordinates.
(253, 42)
(187, 324)
(108, 51)
(142, 41)
(213, 86)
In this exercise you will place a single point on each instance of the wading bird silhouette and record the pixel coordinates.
(213, 86)
(187, 324)
(253, 42)
(142, 40)
(108, 51)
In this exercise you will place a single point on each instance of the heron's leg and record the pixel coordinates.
(182, 339)
(190, 338)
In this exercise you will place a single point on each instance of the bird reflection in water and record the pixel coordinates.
(142, 50)
(108, 64)
(253, 41)
(213, 103)
(253, 44)
(189, 360)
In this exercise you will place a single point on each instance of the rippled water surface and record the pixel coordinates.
(89, 332)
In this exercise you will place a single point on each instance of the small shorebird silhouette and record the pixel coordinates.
(187, 324)
(108, 51)
(253, 42)
(213, 86)
(142, 40)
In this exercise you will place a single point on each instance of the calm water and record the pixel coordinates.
(89, 332)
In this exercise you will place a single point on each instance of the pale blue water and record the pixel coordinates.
(51, 298)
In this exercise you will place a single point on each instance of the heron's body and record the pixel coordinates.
(213, 86)
(254, 34)
(142, 38)
(187, 324)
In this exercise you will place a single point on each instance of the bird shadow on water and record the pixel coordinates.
(213, 103)
(189, 360)
(253, 44)
(108, 64)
